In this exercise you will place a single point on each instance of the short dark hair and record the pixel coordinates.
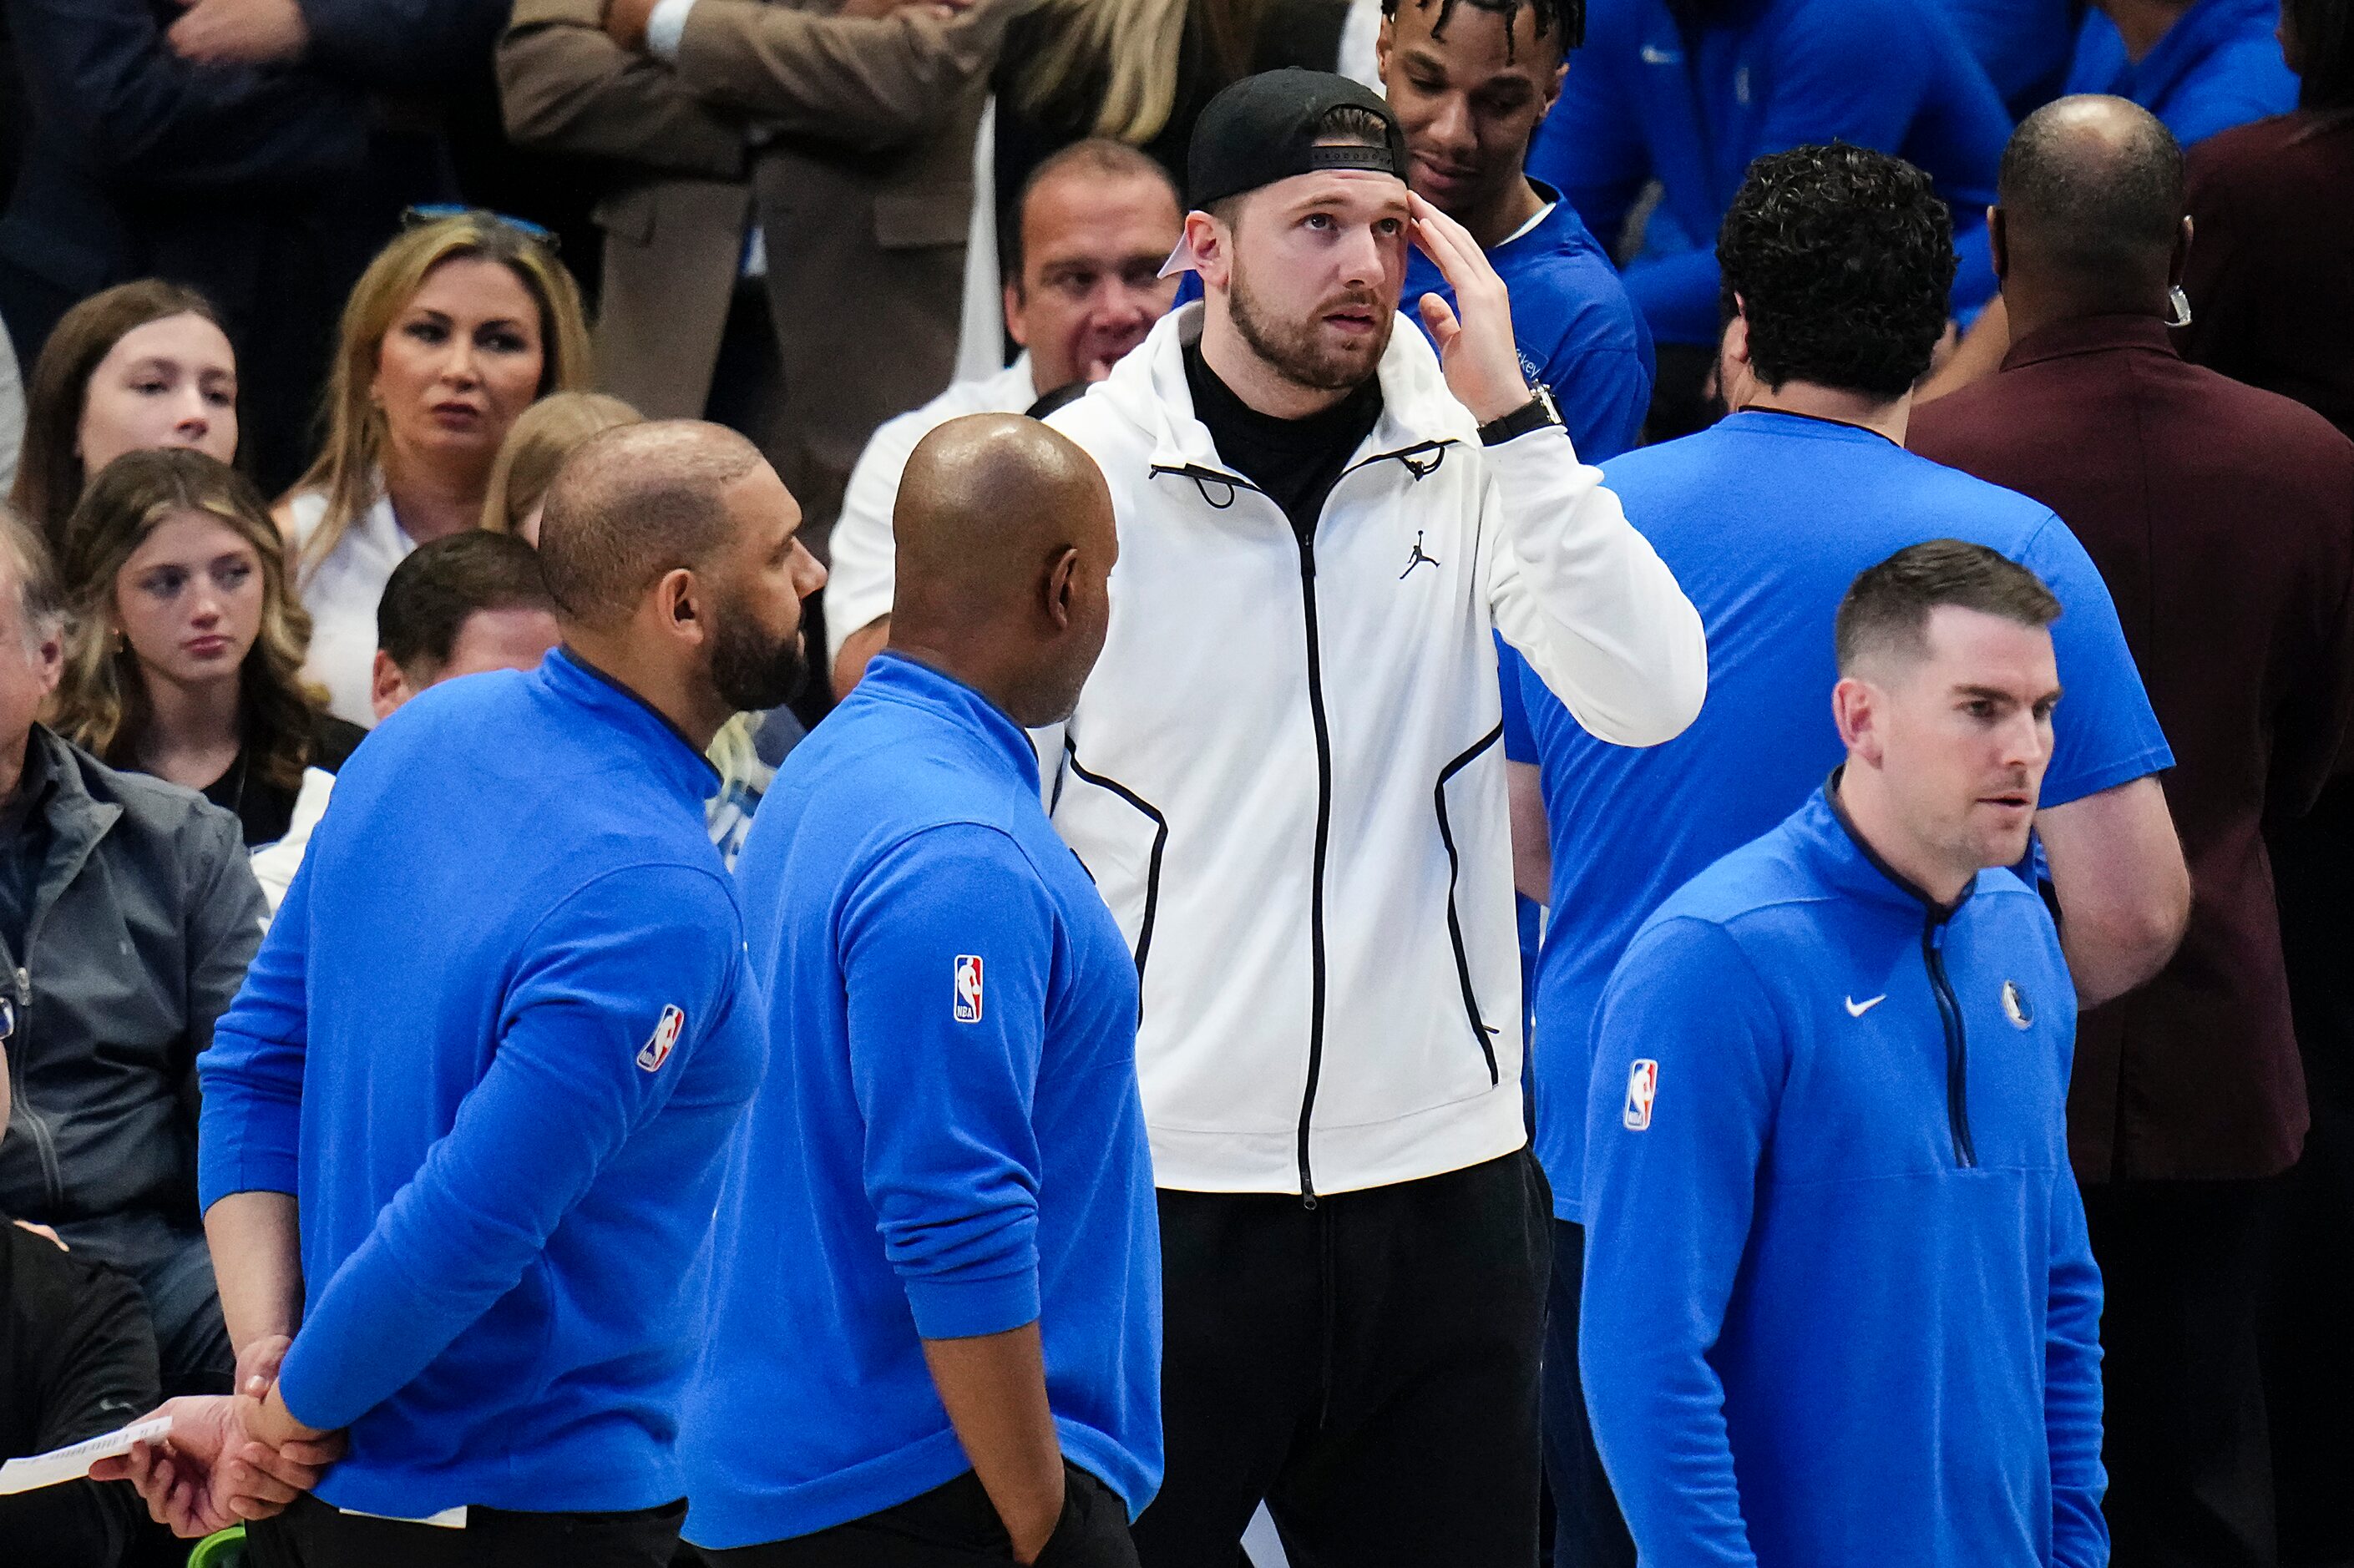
(1099, 157)
(1562, 21)
(1887, 606)
(443, 585)
(1842, 258)
(2105, 208)
(632, 504)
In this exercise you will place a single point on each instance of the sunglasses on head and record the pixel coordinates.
(435, 212)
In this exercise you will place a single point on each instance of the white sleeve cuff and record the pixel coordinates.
(666, 28)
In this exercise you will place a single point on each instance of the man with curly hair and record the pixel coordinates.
(1836, 262)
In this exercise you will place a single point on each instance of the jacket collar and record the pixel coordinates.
(76, 818)
(571, 679)
(893, 677)
(1851, 865)
(2090, 334)
(1148, 389)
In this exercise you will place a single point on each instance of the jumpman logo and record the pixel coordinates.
(1418, 558)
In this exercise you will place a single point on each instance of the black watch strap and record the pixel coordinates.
(1533, 415)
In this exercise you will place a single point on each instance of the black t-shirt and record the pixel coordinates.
(1296, 462)
(266, 808)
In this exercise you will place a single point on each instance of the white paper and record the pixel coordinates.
(71, 1463)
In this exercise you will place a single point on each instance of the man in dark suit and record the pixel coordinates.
(2222, 518)
(258, 150)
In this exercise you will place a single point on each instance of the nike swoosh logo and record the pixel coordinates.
(1654, 55)
(1858, 1008)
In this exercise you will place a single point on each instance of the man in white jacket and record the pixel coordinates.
(1285, 777)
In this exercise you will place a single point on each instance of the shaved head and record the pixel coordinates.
(633, 504)
(2092, 198)
(1005, 541)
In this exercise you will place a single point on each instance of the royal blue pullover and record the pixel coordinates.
(1579, 335)
(1766, 518)
(950, 1142)
(1643, 100)
(2219, 66)
(1840, 1308)
(495, 1043)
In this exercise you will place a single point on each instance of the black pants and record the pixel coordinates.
(1367, 1368)
(955, 1526)
(1587, 1529)
(2190, 1459)
(309, 1534)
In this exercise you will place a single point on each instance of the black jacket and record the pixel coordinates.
(140, 915)
(76, 1359)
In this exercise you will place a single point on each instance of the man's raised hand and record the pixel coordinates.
(1476, 347)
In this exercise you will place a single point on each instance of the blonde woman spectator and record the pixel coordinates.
(549, 431)
(186, 647)
(140, 364)
(456, 327)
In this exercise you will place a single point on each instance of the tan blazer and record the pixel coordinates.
(859, 173)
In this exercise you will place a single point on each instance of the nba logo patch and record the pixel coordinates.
(1642, 1083)
(968, 988)
(666, 1032)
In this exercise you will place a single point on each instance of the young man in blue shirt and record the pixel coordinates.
(1836, 267)
(2200, 65)
(1689, 92)
(1840, 1307)
(936, 1335)
(495, 1044)
(1470, 80)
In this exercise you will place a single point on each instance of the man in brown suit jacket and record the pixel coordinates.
(2222, 518)
(845, 135)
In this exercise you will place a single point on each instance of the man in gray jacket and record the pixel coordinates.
(127, 916)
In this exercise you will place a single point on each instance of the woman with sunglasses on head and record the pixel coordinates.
(186, 644)
(456, 328)
(140, 364)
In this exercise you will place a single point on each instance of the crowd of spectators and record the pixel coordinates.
(307, 303)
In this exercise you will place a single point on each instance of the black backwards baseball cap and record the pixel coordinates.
(1265, 128)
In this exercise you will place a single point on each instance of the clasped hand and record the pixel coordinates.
(228, 1457)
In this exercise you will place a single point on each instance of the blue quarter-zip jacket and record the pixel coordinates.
(1645, 100)
(495, 1043)
(1840, 1308)
(1579, 335)
(949, 1141)
(2219, 66)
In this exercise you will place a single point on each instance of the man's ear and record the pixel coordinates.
(2182, 261)
(1998, 243)
(1384, 41)
(1014, 313)
(1855, 708)
(1210, 241)
(678, 602)
(389, 686)
(49, 663)
(1060, 589)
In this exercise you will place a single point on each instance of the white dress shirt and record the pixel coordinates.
(341, 593)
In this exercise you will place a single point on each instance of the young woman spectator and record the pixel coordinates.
(139, 364)
(548, 431)
(184, 653)
(456, 328)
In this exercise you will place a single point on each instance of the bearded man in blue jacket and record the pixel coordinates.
(1841, 1309)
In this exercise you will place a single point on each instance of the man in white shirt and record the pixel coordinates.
(1083, 287)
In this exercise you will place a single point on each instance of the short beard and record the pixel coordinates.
(750, 672)
(1292, 348)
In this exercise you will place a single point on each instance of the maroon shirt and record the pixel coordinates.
(2222, 518)
(2271, 275)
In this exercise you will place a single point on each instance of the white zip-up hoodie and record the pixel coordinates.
(1286, 776)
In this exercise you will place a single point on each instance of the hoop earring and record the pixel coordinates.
(2182, 303)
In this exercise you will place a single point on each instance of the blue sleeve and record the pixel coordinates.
(249, 1132)
(146, 118)
(1669, 1199)
(403, 45)
(948, 956)
(1604, 394)
(2104, 732)
(564, 1093)
(1590, 146)
(2071, 1386)
(1519, 741)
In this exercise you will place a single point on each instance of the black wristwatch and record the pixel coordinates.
(1533, 415)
